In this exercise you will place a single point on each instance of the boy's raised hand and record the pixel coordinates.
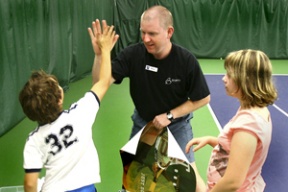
(106, 39)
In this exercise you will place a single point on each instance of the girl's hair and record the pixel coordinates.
(40, 98)
(251, 70)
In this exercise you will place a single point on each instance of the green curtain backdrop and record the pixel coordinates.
(212, 28)
(52, 35)
(44, 34)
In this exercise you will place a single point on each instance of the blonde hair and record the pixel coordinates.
(251, 70)
(163, 14)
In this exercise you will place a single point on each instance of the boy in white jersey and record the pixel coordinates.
(62, 143)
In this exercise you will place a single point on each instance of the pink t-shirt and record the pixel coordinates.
(244, 120)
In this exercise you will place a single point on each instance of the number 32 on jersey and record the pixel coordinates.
(62, 140)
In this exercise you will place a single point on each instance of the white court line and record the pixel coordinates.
(219, 125)
(214, 117)
(279, 109)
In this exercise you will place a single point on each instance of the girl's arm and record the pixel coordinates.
(243, 147)
(201, 142)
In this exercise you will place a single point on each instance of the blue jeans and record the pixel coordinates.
(180, 129)
(88, 188)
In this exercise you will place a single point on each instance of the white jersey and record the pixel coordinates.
(66, 148)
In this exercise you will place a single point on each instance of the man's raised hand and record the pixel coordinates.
(97, 35)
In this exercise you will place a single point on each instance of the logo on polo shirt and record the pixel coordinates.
(169, 81)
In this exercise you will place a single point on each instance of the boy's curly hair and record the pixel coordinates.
(40, 98)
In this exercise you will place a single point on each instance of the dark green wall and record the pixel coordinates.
(52, 35)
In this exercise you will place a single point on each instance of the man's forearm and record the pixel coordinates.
(189, 106)
(96, 68)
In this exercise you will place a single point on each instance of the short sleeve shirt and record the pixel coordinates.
(65, 148)
(157, 86)
(249, 121)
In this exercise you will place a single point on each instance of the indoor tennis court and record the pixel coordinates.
(113, 124)
(52, 35)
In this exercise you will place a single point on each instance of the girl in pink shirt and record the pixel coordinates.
(241, 149)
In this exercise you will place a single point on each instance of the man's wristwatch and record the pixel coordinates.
(170, 116)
